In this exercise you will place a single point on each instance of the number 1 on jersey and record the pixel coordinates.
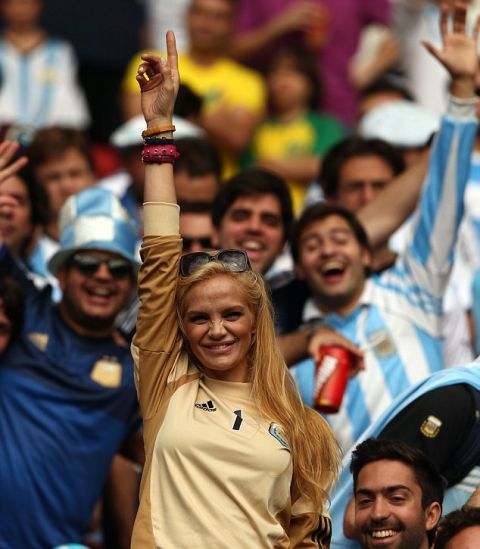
(238, 420)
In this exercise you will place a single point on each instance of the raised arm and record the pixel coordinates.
(383, 216)
(157, 341)
(387, 212)
(159, 81)
(430, 251)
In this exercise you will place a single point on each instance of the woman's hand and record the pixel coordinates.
(159, 81)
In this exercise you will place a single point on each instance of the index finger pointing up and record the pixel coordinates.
(172, 51)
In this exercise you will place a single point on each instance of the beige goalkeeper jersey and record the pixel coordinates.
(216, 476)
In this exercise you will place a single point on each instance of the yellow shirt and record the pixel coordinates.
(311, 134)
(225, 83)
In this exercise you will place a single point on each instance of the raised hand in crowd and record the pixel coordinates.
(8, 150)
(459, 48)
(8, 202)
(159, 82)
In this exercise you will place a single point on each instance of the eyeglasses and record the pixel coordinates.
(204, 241)
(235, 260)
(89, 264)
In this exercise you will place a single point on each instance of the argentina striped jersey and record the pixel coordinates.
(397, 320)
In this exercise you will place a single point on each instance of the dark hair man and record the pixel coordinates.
(253, 212)
(459, 530)
(61, 161)
(382, 90)
(356, 169)
(395, 315)
(196, 227)
(197, 171)
(398, 495)
(439, 416)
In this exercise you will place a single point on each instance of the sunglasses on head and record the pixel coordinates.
(204, 241)
(235, 260)
(89, 264)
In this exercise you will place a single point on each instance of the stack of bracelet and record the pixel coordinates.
(156, 149)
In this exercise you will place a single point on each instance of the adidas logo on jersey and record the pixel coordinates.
(206, 406)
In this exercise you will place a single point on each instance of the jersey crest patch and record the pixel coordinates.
(431, 427)
(39, 340)
(381, 342)
(107, 372)
(277, 432)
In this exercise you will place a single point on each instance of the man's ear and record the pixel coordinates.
(300, 272)
(215, 237)
(366, 258)
(432, 515)
(61, 276)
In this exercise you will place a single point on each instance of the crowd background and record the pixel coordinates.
(289, 110)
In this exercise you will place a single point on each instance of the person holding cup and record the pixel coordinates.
(233, 456)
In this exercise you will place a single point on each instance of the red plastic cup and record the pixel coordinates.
(331, 377)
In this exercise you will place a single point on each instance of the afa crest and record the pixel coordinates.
(39, 340)
(107, 372)
(431, 427)
(277, 432)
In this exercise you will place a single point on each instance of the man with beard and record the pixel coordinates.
(398, 495)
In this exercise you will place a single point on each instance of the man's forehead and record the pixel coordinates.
(101, 254)
(14, 185)
(268, 203)
(330, 223)
(385, 474)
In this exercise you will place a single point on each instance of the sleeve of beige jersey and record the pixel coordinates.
(157, 340)
(307, 528)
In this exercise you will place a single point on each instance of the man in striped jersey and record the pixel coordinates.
(393, 316)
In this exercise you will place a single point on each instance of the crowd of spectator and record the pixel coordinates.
(336, 143)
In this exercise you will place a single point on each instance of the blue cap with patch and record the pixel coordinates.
(94, 219)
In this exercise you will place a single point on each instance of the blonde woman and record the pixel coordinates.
(233, 457)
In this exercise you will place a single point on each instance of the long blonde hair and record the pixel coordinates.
(315, 452)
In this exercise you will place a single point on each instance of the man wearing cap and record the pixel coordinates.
(66, 384)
